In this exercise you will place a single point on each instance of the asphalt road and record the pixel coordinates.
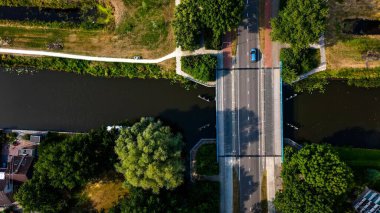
(250, 80)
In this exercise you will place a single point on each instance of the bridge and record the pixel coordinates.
(249, 128)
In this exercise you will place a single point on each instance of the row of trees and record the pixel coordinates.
(314, 180)
(213, 18)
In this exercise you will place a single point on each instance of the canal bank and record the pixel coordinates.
(343, 116)
(62, 101)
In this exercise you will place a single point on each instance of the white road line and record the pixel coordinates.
(248, 105)
(248, 117)
(248, 92)
(247, 79)
(249, 169)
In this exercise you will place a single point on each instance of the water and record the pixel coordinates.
(360, 27)
(39, 14)
(68, 102)
(343, 116)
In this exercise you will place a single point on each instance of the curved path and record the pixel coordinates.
(88, 58)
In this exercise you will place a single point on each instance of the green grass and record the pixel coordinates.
(206, 163)
(146, 21)
(361, 158)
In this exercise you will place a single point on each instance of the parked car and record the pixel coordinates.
(253, 55)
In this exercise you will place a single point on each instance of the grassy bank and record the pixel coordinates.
(362, 158)
(359, 77)
(342, 49)
(100, 69)
(206, 160)
(59, 4)
(132, 28)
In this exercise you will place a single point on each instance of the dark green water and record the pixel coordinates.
(343, 115)
(69, 102)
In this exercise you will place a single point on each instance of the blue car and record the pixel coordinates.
(253, 55)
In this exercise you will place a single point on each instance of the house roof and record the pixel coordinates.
(4, 199)
(19, 167)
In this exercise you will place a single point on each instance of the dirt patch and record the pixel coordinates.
(119, 10)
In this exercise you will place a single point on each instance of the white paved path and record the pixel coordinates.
(88, 58)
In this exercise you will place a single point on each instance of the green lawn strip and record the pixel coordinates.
(102, 69)
(358, 157)
(206, 163)
(201, 67)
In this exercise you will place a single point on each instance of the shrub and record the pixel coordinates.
(201, 67)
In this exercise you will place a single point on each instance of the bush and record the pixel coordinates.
(206, 163)
(101, 69)
(201, 67)
(297, 62)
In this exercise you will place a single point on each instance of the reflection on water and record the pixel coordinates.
(343, 115)
(70, 102)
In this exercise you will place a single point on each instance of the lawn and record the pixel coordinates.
(341, 49)
(141, 28)
(206, 163)
(104, 194)
(360, 158)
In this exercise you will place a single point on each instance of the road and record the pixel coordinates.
(248, 113)
(250, 142)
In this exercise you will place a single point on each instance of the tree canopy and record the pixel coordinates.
(201, 67)
(150, 155)
(300, 23)
(314, 180)
(66, 163)
(215, 16)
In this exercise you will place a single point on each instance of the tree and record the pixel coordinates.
(143, 201)
(187, 25)
(38, 195)
(315, 180)
(213, 17)
(300, 23)
(64, 164)
(74, 160)
(150, 156)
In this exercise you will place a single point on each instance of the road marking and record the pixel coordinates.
(247, 79)
(248, 105)
(249, 144)
(248, 117)
(248, 92)
(249, 169)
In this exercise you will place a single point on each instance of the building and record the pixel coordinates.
(368, 202)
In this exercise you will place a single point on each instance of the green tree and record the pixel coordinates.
(300, 23)
(143, 201)
(315, 180)
(73, 161)
(212, 17)
(201, 67)
(150, 155)
(38, 195)
(187, 25)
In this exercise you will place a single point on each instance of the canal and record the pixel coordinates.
(342, 116)
(61, 101)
